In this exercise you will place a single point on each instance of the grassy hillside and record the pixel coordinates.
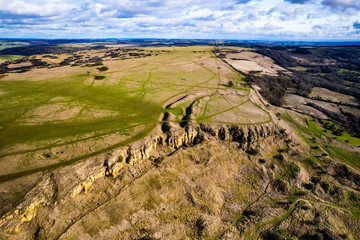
(50, 118)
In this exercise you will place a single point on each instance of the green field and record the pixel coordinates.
(51, 118)
(346, 71)
(338, 148)
(11, 44)
(10, 57)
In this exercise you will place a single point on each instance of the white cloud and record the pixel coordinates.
(187, 18)
(36, 8)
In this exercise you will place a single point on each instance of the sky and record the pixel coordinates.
(184, 19)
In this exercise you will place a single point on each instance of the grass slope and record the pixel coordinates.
(339, 147)
(50, 118)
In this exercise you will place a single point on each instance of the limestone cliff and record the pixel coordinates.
(132, 158)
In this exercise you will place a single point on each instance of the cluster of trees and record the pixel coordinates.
(349, 55)
(103, 68)
(99, 77)
(279, 57)
(353, 123)
(77, 60)
(38, 63)
(35, 62)
(98, 47)
(50, 56)
(93, 62)
(331, 126)
(331, 77)
(272, 88)
(326, 76)
(113, 54)
(302, 51)
(349, 121)
(68, 61)
(135, 54)
(39, 49)
(74, 60)
(3, 68)
(124, 52)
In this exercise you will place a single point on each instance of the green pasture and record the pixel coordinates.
(134, 92)
(10, 57)
(313, 135)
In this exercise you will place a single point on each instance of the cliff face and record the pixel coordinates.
(137, 152)
(203, 181)
(133, 159)
(245, 136)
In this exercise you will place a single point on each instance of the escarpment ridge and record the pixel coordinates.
(135, 159)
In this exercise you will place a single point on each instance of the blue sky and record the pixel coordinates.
(220, 19)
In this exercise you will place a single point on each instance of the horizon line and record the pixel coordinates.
(202, 39)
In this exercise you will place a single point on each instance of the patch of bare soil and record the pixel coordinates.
(247, 61)
(19, 65)
(299, 103)
(328, 95)
(351, 110)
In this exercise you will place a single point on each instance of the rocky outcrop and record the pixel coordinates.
(131, 157)
(85, 185)
(244, 135)
(42, 195)
(146, 149)
(190, 137)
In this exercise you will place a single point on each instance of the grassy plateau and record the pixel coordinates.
(50, 118)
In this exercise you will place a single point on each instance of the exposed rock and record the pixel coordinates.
(302, 177)
(42, 195)
(114, 163)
